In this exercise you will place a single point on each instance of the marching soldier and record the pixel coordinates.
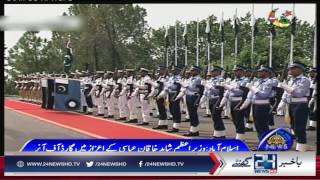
(159, 86)
(132, 98)
(312, 100)
(215, 94)
(96, 91)
(143, 87)
(185, 80)
(204, 102)
(107, 91)
(194, 91)
(259, 95)
(296, 96)
(234, 94)
(88, 86)
(122, 98)
(172, 89)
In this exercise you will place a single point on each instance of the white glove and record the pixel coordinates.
(286, 88)
(281, 106)
(180, 95)
(249, 85)
(202, 100)
(135, 93)
(254, 89)
(163, 94)
(223, 102)
(228, 87)
(245, 104)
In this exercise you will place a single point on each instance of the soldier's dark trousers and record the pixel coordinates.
(192, 108)
(162, 109)
(237, 118)
(312, 114)
(261, 118)
(299, 117)
(89, 101)
(174, 107)
(216, 115)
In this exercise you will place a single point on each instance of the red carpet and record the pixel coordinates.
(87, 125)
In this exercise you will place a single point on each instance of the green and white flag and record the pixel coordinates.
(221, 29)
(68, 58)
(254, 25)
(236, 25)
(208, 31)
(185, 38)
(166, 38)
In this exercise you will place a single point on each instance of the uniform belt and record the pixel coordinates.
(265, 101)
(143, 91)
(191, 93)
(235, 98)
(296, 100)
(213, 97)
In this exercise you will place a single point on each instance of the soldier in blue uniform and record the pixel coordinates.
(172, 88)
(296, 94)
(159, 86)
(193, 95)
(215, 94)
(234, 94)
(259, 96)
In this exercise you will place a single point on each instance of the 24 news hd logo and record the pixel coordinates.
(265, 163)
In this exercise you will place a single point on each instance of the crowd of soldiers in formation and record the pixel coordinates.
(252, 98)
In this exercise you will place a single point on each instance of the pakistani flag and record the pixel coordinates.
(166, 38)
(236, 25)
(208, 31)
(254, 25)
(68, 58)
(185, 38)
(293, 25)
(273, 30)
(221, 29)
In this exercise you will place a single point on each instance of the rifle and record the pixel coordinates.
(245, 90)
(182, 73)
(199, 94)
(279, 91)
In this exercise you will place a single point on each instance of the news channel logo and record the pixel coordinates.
(276, 140)
(265, 163)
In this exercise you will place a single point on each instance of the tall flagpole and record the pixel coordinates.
(252, 34)
(315, 45)
(222, 40)
(167, 53)
(236, 40)
(292, 36)
(197, 63)
(175, 46)
(208, 43)
(186, 47)
(270, 48)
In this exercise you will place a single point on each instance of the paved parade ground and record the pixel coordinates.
(25, 121)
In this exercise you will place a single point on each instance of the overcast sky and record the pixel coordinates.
(158, 14)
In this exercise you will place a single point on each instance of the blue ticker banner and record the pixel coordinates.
(135, 145)
(112, 163)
